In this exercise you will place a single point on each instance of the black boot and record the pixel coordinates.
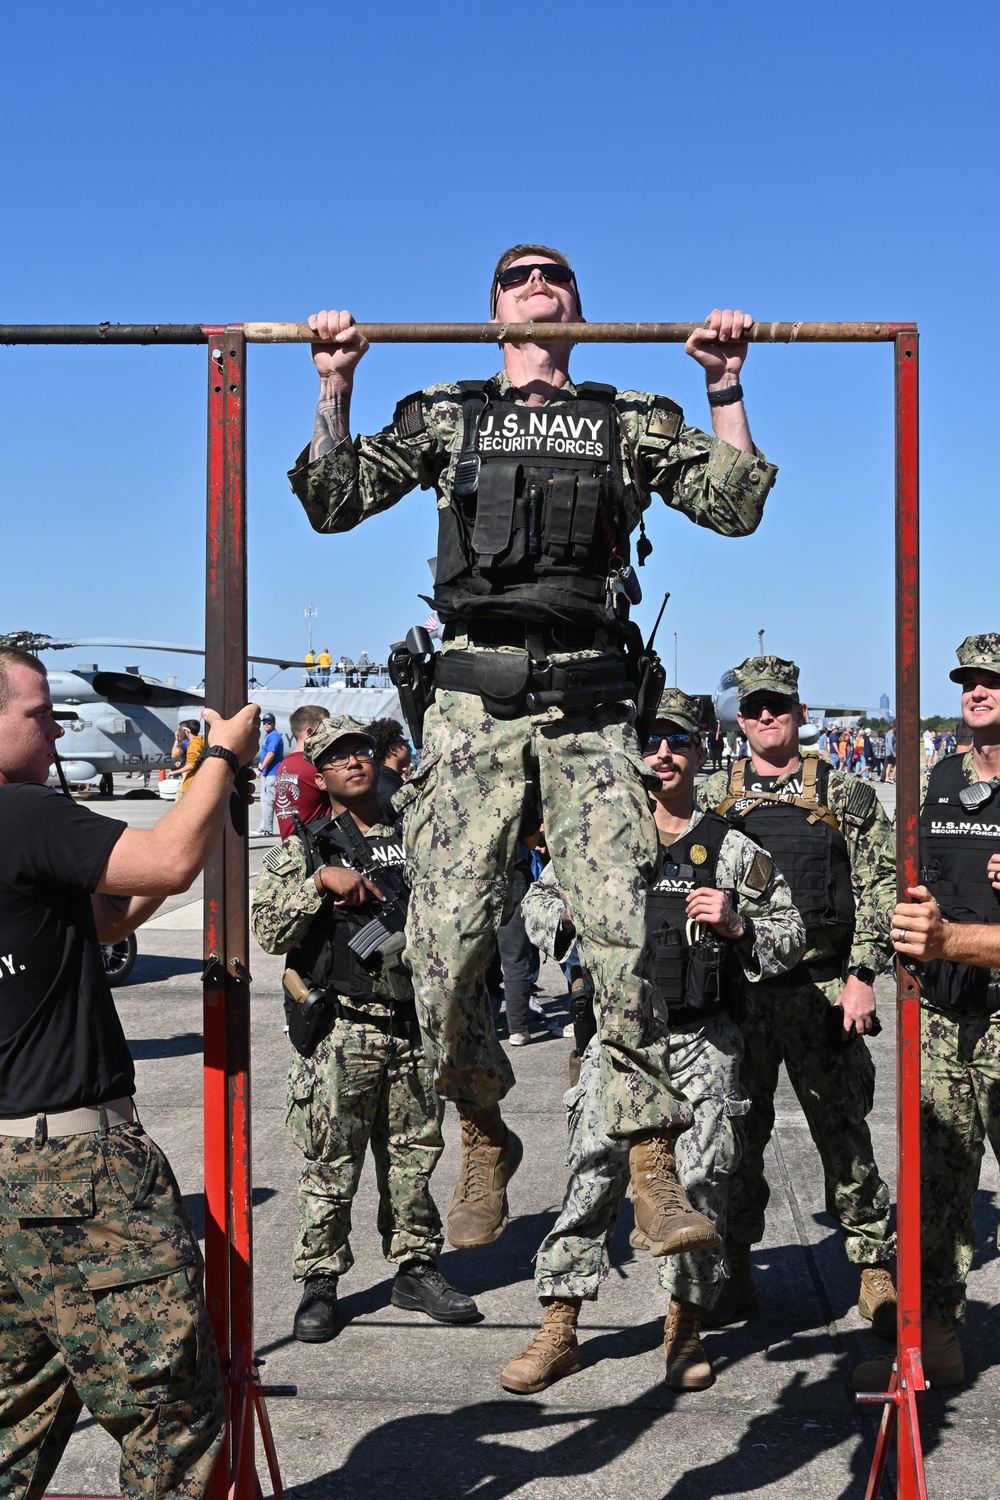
(316, 1315)
(419, 1287)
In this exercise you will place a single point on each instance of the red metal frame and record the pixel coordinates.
(228, 1175)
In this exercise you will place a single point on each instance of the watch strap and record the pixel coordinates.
(229, 756)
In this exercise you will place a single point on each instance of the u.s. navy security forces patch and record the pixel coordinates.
(538, 432)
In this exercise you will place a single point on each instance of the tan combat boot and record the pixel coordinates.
(553, 1351)
(665, 1222)
(738, 1297)
(877, 1301)
(491, 1154)
(942, 1360)
(688, 1368)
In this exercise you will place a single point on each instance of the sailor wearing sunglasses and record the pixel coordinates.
(539, 484)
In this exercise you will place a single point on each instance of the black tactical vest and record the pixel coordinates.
(809, 851)
(324, 953)
(708, 978)
(955, 846)
(535, 521)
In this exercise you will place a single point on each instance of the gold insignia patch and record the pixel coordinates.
(698, 854)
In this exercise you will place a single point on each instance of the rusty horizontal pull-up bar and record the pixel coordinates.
(580, 333)
(448, 333)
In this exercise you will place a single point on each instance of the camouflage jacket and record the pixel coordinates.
(286, 899)
(704, 477)
(871, 849)
(761, 893)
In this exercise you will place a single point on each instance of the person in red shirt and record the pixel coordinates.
(296, 789)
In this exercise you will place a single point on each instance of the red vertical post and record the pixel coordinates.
(230, 660)
(215, 1104)
(910, 1482)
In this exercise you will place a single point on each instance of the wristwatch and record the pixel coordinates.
(862, 972)
(229, 756)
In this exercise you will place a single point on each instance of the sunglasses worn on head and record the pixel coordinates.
(518, 275)
(679, 741)
(775, 704)
(339, 758)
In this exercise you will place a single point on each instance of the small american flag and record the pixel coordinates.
(430, 623)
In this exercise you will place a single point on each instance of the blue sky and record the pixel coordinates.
(190, 163)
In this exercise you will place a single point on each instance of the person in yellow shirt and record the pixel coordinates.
(325, 661)
(309, 662)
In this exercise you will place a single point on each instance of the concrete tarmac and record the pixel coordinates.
(397, 1405)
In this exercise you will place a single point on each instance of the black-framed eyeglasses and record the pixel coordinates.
(682, 740)
(339, 758)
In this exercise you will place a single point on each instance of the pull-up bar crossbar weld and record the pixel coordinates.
(449, 333)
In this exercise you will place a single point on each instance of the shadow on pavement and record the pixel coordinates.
(152, 968)
(185, 1045)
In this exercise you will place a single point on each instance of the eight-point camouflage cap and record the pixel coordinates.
(320, 739)
(767, 674)
(681, 709)
(977, 653)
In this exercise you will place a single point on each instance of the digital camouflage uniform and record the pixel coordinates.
(704, 1065)
(101, 1305)
(464, 806)
(788, 1022)
(960, 1099)
(366, 1081)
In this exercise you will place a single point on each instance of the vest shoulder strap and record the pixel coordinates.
(593, 390)
(736, 784)
(947, 779)
(470, 388)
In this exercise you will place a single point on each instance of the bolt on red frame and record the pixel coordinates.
(228, 1176)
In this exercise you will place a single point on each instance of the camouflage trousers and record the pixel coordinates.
(835, 1085)
(362, 1085)
(101, 1306)
(960, 1111)
(463, 811)
(573, 1259)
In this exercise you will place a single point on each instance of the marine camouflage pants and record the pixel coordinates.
(573, 1259)
(835, 1085)
(960, 1111)
(463, 813)
(101, 1306)
(362, 1085)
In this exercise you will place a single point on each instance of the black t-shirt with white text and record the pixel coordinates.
(61, 1043)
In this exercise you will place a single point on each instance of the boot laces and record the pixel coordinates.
(556, 1333)
(661, 1186)
(880, 1282)
(682, 1337)
(476, 1161)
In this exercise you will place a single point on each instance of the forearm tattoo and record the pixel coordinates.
(332, 425)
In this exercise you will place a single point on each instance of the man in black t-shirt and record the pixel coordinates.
(100, 1273)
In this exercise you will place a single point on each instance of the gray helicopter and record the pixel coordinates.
(115, 721)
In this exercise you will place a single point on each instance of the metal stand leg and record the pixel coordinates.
(228, 1218)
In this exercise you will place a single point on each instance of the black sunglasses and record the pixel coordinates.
(518, 275)
(775, 703)
(679, 741)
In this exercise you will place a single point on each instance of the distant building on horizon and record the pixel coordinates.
(883, 704)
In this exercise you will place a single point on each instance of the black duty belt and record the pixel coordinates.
(512, 685)
(550, 639)
(816, 971)
(402, 1021)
